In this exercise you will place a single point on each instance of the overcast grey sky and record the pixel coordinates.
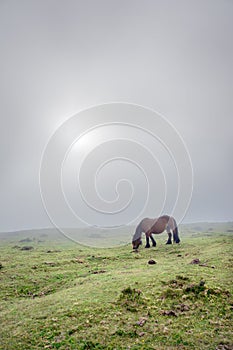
(60, 57)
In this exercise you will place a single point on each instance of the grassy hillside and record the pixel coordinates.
(60, 295)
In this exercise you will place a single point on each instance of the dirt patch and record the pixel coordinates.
(168, 313)
(198, 262)
(96, 272)
(53, 251)
(50, 263)
(224, 347)
(195, 262)
(27, 248)
(141, 321)
(179, 281)
(182, 288)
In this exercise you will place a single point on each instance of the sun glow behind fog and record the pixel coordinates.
(84, 142)
(99, 178)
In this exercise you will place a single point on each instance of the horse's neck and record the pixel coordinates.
(138, 232)
(147, 224)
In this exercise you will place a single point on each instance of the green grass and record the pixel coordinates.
(74, 297)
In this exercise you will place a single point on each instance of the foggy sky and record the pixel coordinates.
(60, 57)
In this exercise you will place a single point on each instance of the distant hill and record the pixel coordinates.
(103, 237)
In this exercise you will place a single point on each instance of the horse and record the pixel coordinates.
(155, 226)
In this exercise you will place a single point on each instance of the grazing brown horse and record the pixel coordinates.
(155, 226)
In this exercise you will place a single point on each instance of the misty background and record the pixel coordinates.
(60, 57)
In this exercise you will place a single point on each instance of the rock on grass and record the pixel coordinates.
(152, 262)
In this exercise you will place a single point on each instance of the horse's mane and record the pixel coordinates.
(138, 233)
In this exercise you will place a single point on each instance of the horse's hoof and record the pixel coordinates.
(154, 245)
(178, 241)
(169, 243)
(147, 246)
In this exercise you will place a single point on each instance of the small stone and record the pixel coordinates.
(151, 262)
(195, 261)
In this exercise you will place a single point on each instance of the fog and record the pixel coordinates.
(62, 57)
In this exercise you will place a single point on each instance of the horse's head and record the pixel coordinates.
(137, 243)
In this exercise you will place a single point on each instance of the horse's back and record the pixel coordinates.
(156, 225)
(147, 223)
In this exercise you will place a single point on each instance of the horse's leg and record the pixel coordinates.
(176, 235)
(169, 241)
(147, 241)
(153, 241)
